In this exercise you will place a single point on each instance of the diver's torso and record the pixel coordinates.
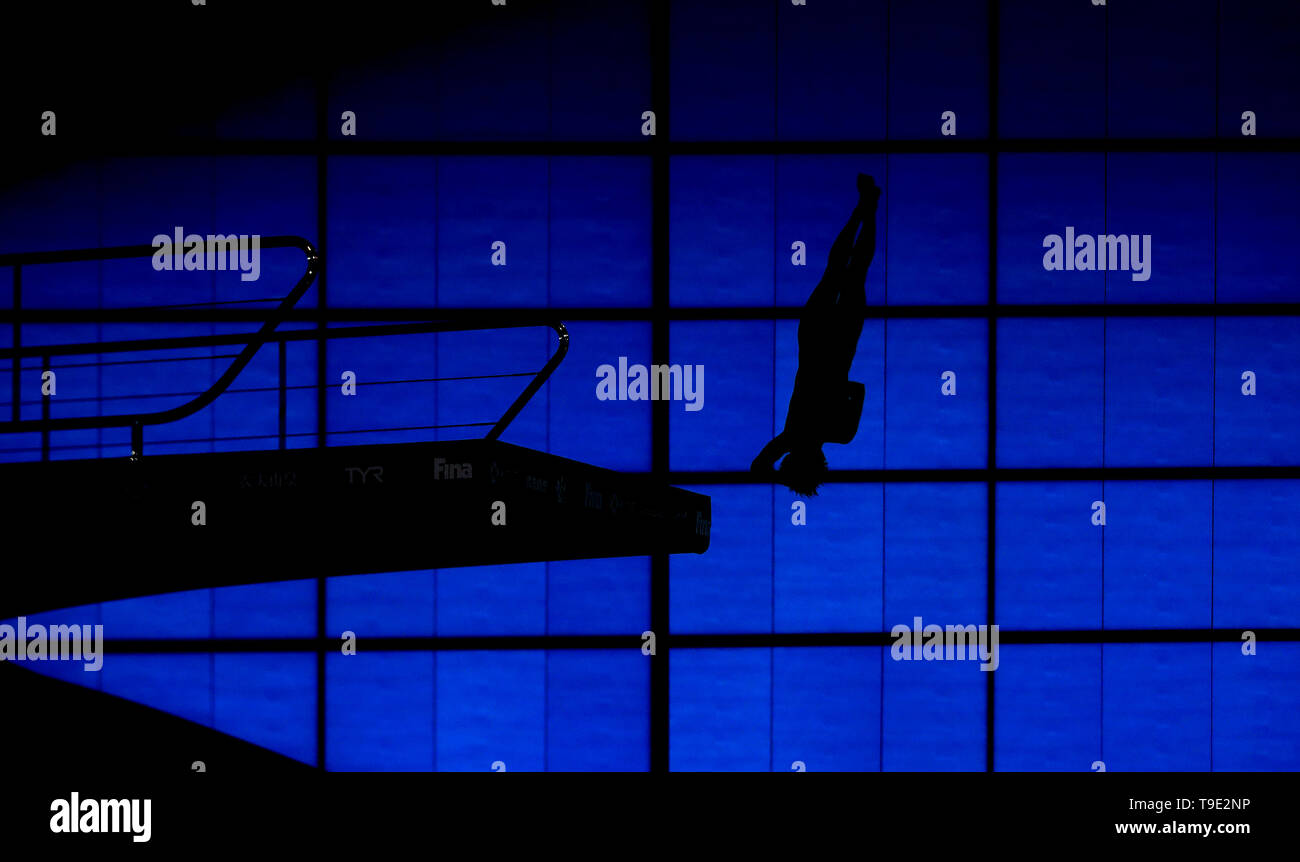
(827, 344)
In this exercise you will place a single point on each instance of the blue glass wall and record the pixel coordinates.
(770, 111)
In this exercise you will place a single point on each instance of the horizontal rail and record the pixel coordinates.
(251, 343)
(373, 331)
(136, 420)
(700, 640)
(641, 313)
(646, 146)
(184, 341)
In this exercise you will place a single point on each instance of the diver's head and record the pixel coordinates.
(804, 470)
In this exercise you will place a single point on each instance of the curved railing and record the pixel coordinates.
(251, 344)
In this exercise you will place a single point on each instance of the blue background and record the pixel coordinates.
(415, 230)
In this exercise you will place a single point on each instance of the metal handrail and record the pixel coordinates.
(138, 420)
(251, 344)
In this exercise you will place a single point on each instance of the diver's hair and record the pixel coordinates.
(803, 471)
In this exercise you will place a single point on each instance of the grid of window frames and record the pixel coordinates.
(971, 503)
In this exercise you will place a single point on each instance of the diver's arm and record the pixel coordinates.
(767, 458)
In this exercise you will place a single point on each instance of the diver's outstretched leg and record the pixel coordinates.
(842, 248)
(854, 292)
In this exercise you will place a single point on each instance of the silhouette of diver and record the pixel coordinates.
(825, 406)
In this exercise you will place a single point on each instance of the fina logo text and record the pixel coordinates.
(442, 469)
(657, 383)
(214, 252)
